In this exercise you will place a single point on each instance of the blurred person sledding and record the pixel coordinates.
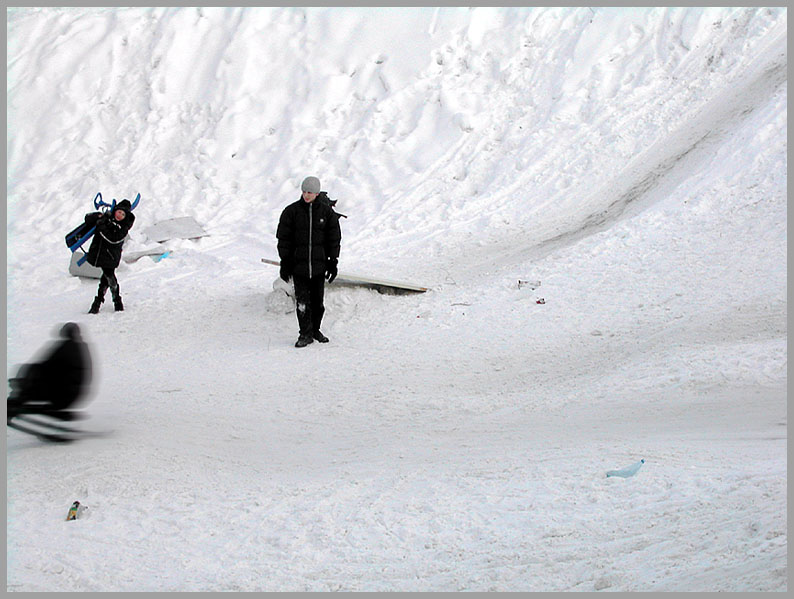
(45, 393)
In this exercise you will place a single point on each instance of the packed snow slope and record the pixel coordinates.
(631, 160)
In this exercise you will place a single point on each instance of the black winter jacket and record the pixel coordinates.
(308, 236)
(67, 370)
(105, 250)
(61, 378)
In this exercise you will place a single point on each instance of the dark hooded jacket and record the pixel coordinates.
(68, 368)
(105, 250)
(308, 237)
(60, 379)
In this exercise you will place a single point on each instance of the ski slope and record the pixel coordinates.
(634, 161)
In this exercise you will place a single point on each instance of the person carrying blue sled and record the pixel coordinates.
(112, 228)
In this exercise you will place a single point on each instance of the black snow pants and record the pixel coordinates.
(309, 299)
(108, 280)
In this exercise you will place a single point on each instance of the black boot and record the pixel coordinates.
(100, 296)
(115, 292)
(318, 336)
(303, 341)
(95, 306)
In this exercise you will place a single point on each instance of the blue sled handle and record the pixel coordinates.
(100, 203)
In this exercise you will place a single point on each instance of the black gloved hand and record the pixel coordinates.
(285, 272)
(330, 269)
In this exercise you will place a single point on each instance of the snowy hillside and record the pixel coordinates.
(634, 161)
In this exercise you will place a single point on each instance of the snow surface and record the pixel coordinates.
(632, 160)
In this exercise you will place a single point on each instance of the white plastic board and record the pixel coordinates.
(85, 269)
(157, 250)
(184, 227)
(382, 285)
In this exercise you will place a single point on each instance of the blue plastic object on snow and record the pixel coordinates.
(627, 471)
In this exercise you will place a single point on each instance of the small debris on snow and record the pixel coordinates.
(530, 283)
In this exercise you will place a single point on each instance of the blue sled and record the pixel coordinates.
(83, 232)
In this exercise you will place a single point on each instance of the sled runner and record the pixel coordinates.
(50, 429)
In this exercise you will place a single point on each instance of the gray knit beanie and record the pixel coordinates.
(311, 184)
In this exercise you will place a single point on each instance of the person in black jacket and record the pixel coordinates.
(105, 251)
(56, 382)
(308, 246)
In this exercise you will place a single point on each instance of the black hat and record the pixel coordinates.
(70, 330)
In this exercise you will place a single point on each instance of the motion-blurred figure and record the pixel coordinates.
(55, 384)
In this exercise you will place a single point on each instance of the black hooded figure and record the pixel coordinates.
(56, 382)
(105, 251)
